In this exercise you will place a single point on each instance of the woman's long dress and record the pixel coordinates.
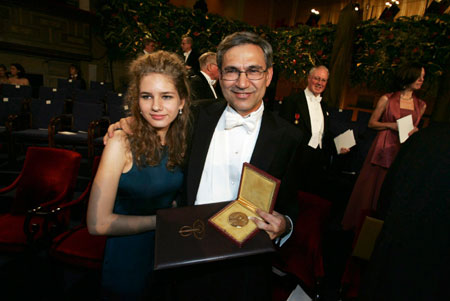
(128, 259)
(379, 158)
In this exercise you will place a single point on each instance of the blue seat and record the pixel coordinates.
(116, 112)
(8, 90)
(90, 96)
(42, 112)
(51, 93)
(100, 85)
(79, 128)
(9, 106)
(69, 86)
(115, 106)
(114, 98)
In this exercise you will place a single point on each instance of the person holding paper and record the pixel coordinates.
(389, 109)
(309, 113)
(140, 173)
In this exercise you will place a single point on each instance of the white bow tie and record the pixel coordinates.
(234, 120)
(317, 98)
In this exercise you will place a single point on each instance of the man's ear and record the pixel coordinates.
(269, 76)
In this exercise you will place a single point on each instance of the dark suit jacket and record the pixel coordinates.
(200, 88)
(274, 152)
(192, 61)
(313, 163)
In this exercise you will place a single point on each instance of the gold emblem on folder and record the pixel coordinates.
(198, 229)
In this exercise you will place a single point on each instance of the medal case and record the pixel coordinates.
(257, 189)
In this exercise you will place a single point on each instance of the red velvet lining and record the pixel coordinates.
(47, 174)
(12, 236)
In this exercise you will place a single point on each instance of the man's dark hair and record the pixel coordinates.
(243, 38)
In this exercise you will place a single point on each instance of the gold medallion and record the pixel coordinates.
(238, 219)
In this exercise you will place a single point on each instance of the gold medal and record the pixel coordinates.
(238, 219)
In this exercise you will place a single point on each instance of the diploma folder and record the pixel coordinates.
(174, 249)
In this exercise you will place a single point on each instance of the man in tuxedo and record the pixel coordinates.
(225, 135)
(203, 85)
(309, 113)
(190, 54)
(228, 134)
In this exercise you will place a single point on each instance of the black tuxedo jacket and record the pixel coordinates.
(297, 104)
(275, 152)
(200, 88)
(192, 61)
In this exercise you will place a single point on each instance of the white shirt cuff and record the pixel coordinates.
(282, 239)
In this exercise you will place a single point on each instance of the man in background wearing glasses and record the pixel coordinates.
(309, 113)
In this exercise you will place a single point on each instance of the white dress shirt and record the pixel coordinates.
(186, 55)
(211, 83)
(228, 150)
(316, 117)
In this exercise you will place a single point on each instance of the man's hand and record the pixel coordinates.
(123, 123)
(344, 151)
(274, 224)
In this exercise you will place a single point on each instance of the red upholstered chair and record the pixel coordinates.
(301, 255)
(76, 246)
(47, 179)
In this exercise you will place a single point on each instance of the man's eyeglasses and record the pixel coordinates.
(233, 74)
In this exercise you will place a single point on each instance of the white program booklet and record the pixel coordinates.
(405, 125)
(346, 140)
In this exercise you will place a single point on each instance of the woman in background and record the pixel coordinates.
(140, 173)
(3, 75)
(17, 73)
(390, 107)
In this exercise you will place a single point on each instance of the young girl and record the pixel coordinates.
(140, 173)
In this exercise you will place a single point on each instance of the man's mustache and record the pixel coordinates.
(237, 90)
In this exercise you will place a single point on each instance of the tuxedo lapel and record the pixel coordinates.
(266, 144)
(302, 107)
(325, 116)
(206, 83)
(204, 130)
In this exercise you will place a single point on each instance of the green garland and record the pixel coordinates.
(379, 46)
